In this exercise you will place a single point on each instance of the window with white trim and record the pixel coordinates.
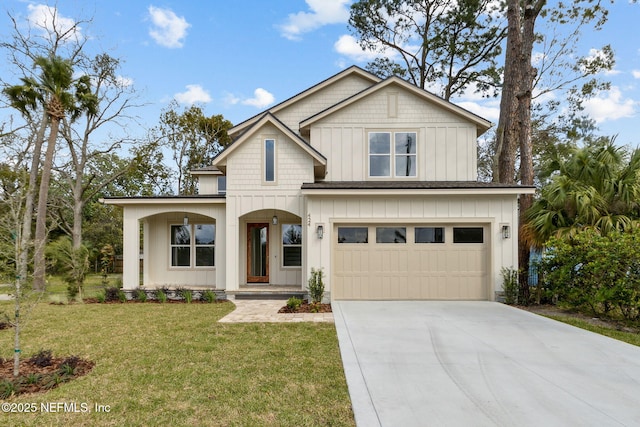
(270, 160)
(291, 245)
(392, 154)
(222, 185)
(193, 245)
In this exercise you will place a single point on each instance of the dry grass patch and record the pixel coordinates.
(173, 364)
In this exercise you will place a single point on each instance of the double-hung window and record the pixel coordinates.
(193, 245)
(392, 154)
(291, 245)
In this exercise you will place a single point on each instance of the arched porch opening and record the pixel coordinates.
(172, 249)
(270, 250)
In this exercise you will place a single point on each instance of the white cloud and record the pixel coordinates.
(322, 12)
(348, 46)
(230, 99)
(636, 74)
(488, 111)
(261, 99)
(124, 81)
(194, 94)
(49, 21)
(610, 105)
(169, 29)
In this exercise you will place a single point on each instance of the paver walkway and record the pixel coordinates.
(267, 311)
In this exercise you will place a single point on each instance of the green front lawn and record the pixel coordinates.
(173, 364)
(612, 332)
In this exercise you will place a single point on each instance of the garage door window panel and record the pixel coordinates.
(391, 235)
(429, 235)
(353, 235)
(468, 235)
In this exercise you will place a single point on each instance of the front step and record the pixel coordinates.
(268, 292)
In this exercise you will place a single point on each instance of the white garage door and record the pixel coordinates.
(389, 262)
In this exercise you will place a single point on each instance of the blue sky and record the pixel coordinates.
(238, 58)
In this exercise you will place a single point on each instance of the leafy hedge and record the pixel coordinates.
(595, 273)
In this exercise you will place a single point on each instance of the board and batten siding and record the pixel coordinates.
(446, 148)
(490, 210)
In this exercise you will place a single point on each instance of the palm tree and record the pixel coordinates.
(60, 94)
(597, 188)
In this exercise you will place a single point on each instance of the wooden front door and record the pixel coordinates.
(257, 253)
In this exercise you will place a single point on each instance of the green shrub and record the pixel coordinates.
(316, 286)
(101, 297)
(161, 296)
(185, 294)
(122, 297)
(208, 296)
(294, 303)
(8, 388)
(140, 295)
(598, 274)
(510, 285)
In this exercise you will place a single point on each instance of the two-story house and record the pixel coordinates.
(373, 181)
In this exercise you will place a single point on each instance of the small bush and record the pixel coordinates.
(112, 294)
(8, 388)
(101, 297)
(52, 380)
(294, 303)
(32, 378)
(41, 358)
(66, 370)
(185, 294)
(510, 285)
(161, 296)
(71, 361)
(140, 295)
(122, 297)
(316, 285)
(208, 296)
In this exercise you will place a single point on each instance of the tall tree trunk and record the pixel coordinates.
(39, 262)
(524, 124)
(514, 128)
(506, 134)
(27, 221)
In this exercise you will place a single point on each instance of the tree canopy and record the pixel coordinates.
(597, 188)
(446, 46)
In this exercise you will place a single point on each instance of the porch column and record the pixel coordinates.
(130, 249)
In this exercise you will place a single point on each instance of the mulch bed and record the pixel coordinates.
(305, 307)
(39, 374)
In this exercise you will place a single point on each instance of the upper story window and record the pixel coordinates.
(392, 154)
(222, 185)
(270, 160)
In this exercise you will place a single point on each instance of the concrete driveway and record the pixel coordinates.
(431, 363)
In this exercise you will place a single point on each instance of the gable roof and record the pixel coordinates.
(353, 70)
(319, 161)
(481, 124)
